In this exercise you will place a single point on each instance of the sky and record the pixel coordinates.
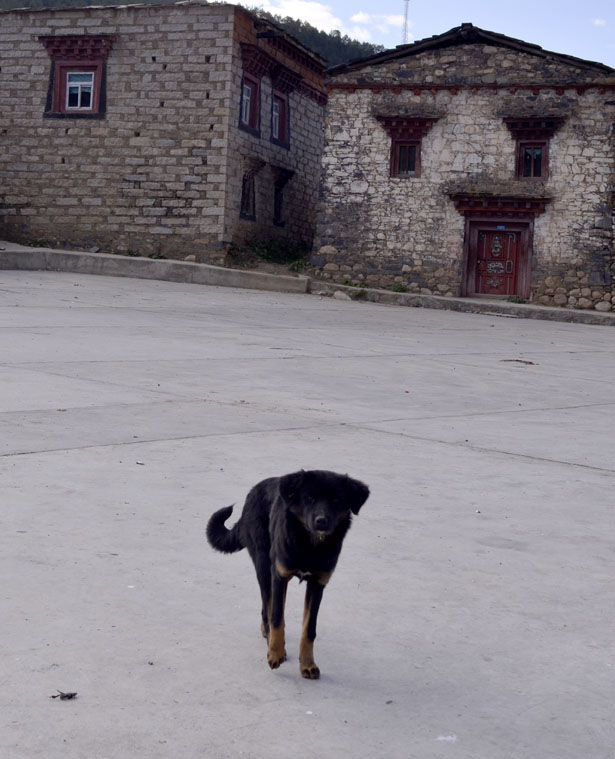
(583, 28)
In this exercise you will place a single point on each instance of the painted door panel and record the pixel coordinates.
(496, 264)
(498, 260)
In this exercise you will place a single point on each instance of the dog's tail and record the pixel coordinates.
(220, 537)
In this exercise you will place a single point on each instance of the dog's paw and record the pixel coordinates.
(310, 671)
(274, 659)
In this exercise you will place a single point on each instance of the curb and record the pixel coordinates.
(467, 305)
(45, 259)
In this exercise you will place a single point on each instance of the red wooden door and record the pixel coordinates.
(497, 262)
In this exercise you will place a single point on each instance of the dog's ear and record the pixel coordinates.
(357, 494)
(290, 485)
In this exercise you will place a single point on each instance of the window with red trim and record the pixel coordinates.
(406, 133)
(77, 82)
(533, 136)
(77, 88)
(279, 119)
(250, 103)
(405, 158)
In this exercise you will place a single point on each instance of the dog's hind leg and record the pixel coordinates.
(313, 597)
(276, 652)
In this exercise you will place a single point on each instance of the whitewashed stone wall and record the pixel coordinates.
(383, 230)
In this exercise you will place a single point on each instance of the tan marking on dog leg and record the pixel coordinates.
(324, 577)
(283, 571)
(307, 665)
(276, 652)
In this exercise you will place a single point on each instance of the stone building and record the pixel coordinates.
(471, 163)
(159, 129)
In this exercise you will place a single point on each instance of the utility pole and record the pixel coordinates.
(405, 32)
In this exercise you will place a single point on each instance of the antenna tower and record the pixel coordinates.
(404, 37)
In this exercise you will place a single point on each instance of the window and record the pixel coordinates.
(79, 90)
(250, 104)
(281, 179)
(404, 157)
(406, 133)
(532, 160)
(248, 202)
(77, 80)
(533, 136)
(279, 119)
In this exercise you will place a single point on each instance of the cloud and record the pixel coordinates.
(599, 21)
(319, 15)
(386, 25)
(360, 26)
(377, 18)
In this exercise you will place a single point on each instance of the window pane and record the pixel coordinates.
(73, 97)
(532, 162)
(245, 104)
(76, 78)
(86, 97)
(527, 162)
(537, 162)
(275, 120)
(403, 158)
(406, 159)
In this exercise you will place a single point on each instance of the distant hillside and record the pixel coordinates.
(333, 47)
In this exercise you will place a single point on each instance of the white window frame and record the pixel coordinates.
(246, 103)
(81, 86)
(275, 119)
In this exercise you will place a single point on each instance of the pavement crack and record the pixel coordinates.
(484, 449)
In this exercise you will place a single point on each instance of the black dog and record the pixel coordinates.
(292, 526)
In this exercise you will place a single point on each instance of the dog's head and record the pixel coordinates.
(322, 500)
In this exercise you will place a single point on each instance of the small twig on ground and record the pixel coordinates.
(64, 696)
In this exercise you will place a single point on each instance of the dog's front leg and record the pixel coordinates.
(276, 652)
(313, 597)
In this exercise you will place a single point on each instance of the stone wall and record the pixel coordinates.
(388, 231)
(159, 175)
(150, 177)
(302, 156)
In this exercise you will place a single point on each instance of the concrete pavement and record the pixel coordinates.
(472, 612)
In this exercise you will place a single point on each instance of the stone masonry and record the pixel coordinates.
(412, 231)
(160, 172)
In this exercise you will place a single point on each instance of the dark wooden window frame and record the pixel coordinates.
(82, 54)
(249, 113)
(283, 137)
(396, 163)
(406, 131)
(62, 70)
(522, 146)
(533, 133)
